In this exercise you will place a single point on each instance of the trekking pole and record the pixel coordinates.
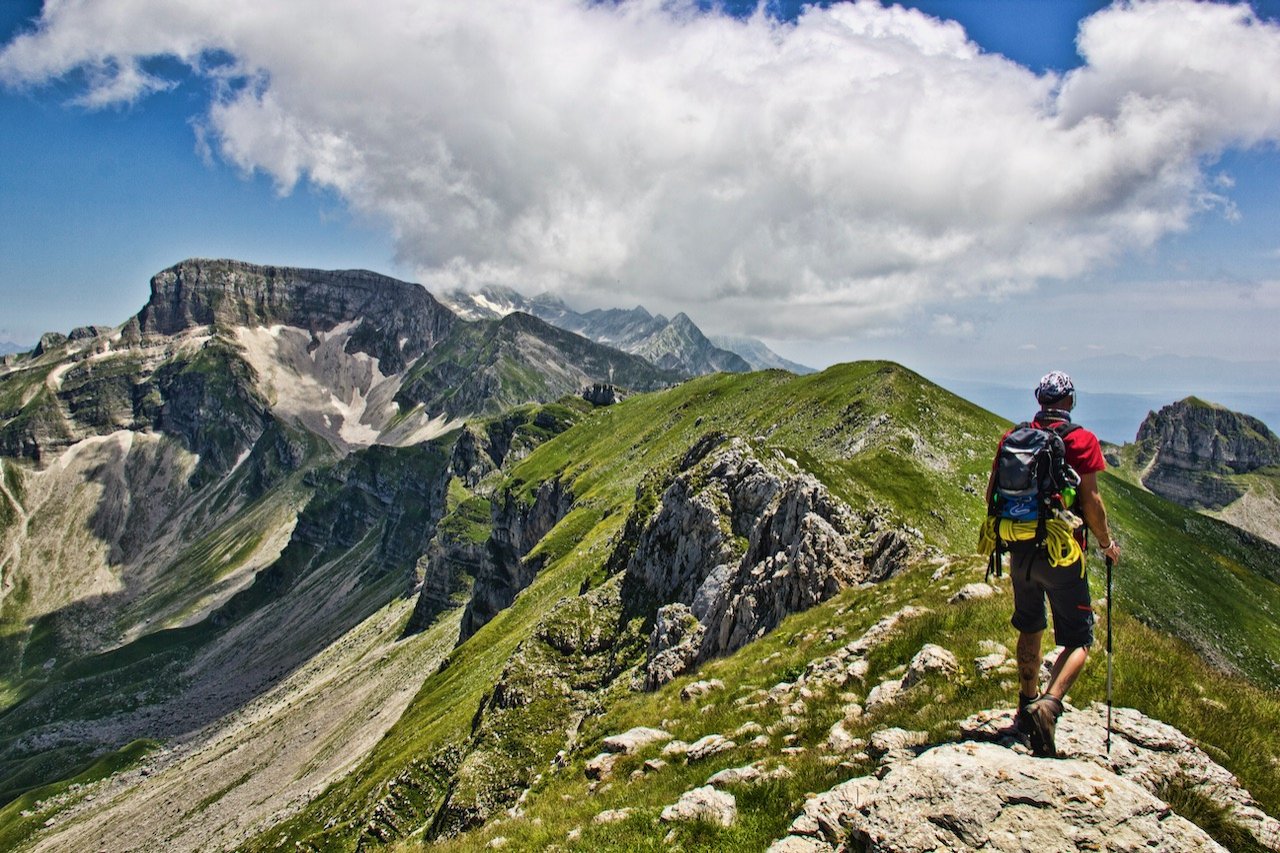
(1109, 564)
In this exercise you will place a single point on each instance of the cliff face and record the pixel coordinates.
(1197, 436)
(735, 545)
(1191, 449)
(397, 321)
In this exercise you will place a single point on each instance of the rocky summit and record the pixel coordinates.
(1207, 457)
(298, 559)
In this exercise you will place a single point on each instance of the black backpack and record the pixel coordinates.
(1031, 472)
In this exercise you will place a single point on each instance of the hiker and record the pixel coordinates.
(1050, 562)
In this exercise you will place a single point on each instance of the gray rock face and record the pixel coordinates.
(398, 321)
(517, 527)
(974, 796)
(673, 646)
(1188, 446)
(737, 545)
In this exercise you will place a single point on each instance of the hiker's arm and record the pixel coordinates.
(1095, 515)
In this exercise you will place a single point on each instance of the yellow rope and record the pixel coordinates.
(1061, 545)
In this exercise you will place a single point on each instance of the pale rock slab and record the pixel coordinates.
(978, 796)
(634, 740)
(705, 803)
(706, 747)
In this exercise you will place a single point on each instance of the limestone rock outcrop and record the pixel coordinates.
(974, 796)
(988, 793)
(1190, 448)
(397, 321)
(733, 544)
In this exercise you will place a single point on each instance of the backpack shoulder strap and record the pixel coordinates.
(1064, 428)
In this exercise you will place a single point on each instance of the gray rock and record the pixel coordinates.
(634, 740)
(840, 741)
(735, 776)
(673, 646)
(1145, 751)
(972, 592)
(708, 746)
(700, 688)
(613, 815)
(799, 844)
(823, 815)
(601, 767)
(882, 630)
(49, 342)
(886, 741)
(990, 663)
(884, 693)
(929, 659)
(974, 796)
(803, 546)
(675, 748)
(705, 803)
(84, 333)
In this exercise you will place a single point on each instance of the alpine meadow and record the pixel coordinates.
(526, 426)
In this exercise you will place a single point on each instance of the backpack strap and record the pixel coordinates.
(1063, 428)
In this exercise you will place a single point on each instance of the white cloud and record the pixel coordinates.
(817, 178)
(946, 324)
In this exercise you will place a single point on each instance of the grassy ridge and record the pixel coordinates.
(875, 433)
(1233, 720)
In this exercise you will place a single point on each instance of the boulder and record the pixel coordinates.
(705, 803)
(888, 741)
(735, 776)
(972, 592)
(634, 740)
(929, 659)
(700, 688)
(708, 746)
(1145, 751)
(884, 693)
(601, 767)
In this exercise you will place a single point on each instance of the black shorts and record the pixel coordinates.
(1068, 593)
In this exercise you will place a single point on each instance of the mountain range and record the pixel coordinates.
(675, 344)
(297, 559)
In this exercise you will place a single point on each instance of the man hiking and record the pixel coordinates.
(1047, 554)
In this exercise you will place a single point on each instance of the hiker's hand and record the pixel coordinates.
(1112, 552)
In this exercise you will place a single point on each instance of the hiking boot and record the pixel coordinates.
(1044, 713)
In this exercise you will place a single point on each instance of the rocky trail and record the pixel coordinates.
(983, 791)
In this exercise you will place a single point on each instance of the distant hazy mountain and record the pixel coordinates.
(758, 355)
(673, 344)
(8, 347)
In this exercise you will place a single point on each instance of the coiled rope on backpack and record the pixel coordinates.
(1060, 545)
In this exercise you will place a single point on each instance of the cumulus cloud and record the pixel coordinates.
(811, 177)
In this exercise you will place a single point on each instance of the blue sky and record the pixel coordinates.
(766, 178)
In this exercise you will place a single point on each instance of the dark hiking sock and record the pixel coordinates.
(1020, 719)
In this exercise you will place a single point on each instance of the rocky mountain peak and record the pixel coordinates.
(1200, 436)
(398, 321)
(1191, 449)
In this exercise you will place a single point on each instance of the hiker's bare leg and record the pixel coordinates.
(1065, 670)
(1029, 663)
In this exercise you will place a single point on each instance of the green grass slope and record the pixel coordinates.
(878, 436)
